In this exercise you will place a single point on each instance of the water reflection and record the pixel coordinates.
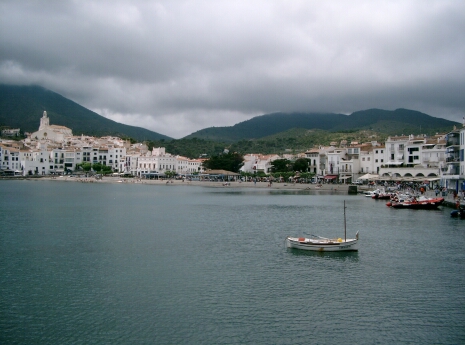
(342, 256)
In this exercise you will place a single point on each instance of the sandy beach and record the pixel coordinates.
(335, 188)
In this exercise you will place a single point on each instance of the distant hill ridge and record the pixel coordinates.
(22, 107)
(399, 121)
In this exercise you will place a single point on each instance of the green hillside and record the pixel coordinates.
(400, 121)
(22, 107)
(269, 124)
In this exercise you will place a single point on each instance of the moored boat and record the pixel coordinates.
(381, 194)
(418, 203)
(323, 244)
(370, 193)
(460, 213)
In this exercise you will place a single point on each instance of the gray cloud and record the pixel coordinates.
(179, 66)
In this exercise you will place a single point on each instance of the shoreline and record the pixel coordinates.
(305, 187)
(335, 188)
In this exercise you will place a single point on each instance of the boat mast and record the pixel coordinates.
(345, 231)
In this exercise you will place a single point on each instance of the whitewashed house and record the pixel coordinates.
(254, 163)
(156, 161)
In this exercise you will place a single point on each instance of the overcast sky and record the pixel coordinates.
(178, 66)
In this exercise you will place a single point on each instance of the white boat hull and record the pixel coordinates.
(322, 245)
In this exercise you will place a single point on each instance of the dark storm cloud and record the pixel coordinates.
(179, 66)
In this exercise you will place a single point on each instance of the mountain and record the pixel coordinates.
(22, 107)
(396, 122)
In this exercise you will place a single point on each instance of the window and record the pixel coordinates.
(401, 146)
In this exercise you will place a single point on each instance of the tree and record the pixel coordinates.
(301, 164)
(170, 174)
(85, 166)
(226, 161)
(280, 165)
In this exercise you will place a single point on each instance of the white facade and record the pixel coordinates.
(367, 162)
(254, 163)
(314, 160)
(187, 166)
(51, 132)
(10, 158)
(14, 132)
(156, 161)
(452, 172)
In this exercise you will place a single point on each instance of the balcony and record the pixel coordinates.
(452, 160)
(453, 170)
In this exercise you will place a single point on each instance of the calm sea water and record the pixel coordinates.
(138, 264)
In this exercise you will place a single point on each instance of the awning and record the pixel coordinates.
(330, 177)
(344, 177)
(366, 177)
(394, 163)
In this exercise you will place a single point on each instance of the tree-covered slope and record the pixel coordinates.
(22, 107)
(400, 121)
(269, 124)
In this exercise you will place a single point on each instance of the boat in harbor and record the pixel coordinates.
(370, 193)
(323, 244)
(417, 203)
(381, 194)
(460, 213)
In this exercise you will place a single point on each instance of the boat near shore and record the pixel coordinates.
(417, 203)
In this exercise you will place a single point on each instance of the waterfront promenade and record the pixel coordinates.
(339, 188)
(324, 188)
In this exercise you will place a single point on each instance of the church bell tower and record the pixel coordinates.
(44, 121)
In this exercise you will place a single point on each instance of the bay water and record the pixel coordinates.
(103, 263)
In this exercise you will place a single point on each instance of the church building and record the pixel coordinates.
(51, 132)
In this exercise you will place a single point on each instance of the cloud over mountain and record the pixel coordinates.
(175, 67)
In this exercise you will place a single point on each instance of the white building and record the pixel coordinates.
(453, 171)
(156, 161)
(187, 166)
(314, 160)
(254, 163)
(414, 156)
(10, 159)
(51, 132)
(13, 132)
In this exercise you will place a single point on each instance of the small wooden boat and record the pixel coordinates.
(322, 244)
